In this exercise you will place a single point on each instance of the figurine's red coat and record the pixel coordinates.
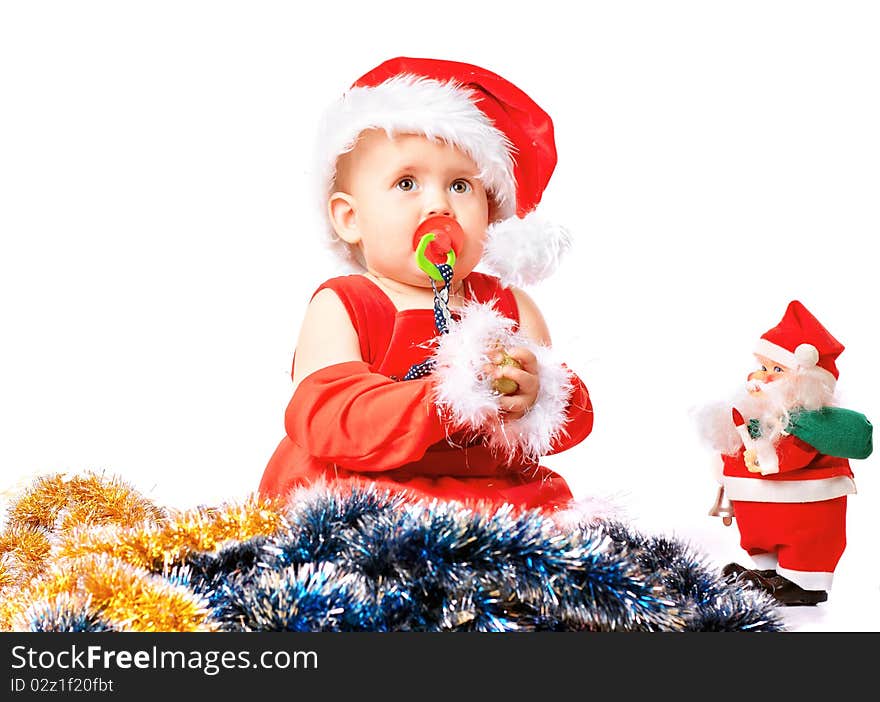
(805, 475)
(797, 514)
(357, 421)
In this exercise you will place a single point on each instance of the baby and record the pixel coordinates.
(417, 372)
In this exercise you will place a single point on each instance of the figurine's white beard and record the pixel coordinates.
(769, 403)
(772, 403)
(753, 386)
(771, 406)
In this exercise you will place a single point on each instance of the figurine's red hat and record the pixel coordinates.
(800, 341)
(507, 135)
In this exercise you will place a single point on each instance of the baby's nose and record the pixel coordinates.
(438, 209)
(437, 203)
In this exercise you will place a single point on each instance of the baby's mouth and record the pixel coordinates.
(447, 237)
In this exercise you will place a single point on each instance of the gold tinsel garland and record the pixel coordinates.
(128, 598)
(24, 549)
(88, 499)
(91, 542)
(156, 545)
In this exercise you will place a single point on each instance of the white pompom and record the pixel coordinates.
(807, 355)
(525, 251)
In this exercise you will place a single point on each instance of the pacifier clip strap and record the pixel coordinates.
(442, 316)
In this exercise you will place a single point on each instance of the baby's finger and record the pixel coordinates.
(525, 358)
(513, 404)
(527, 382)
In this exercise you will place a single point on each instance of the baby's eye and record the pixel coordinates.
(406, 184)
(460, 187)
(764, 368)
(777, 369)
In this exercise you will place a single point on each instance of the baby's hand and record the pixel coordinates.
(520, 401)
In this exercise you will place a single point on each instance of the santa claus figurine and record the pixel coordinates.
(785, 447)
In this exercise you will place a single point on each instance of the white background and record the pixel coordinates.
(159, 243)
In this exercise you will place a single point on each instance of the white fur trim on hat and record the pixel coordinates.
(524, 251)
(409, 104)
(805, 356)
(776, 353)
(464, 395)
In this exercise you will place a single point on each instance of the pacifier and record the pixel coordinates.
(435, 242)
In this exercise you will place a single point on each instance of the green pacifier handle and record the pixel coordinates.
(429, 266)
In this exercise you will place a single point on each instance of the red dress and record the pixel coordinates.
(357, 421)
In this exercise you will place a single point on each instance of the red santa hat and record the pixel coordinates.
(507, 135)
(800, 341)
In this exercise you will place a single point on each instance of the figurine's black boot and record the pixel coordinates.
(783, 590)
(788, 593)
(734, 570)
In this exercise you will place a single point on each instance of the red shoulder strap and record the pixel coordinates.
(487, 288)
(371, 313)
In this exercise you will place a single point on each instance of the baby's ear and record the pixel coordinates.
(343, 217)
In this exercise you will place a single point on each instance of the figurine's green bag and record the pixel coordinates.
(834, 431)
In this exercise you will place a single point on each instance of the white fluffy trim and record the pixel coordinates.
(464, 394)
(592, 509)
(462, 391)
(524, 251)
(715, 427)
(409, 104)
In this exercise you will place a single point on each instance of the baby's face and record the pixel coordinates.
(390, 186)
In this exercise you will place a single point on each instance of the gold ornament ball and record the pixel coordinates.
(506, 386)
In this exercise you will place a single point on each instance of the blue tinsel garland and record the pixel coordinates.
(371, 561)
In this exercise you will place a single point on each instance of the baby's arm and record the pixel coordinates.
(550, 411)
(579, 412)
(531, 321)
(526, 376)
(343, 413)
(326, 337)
